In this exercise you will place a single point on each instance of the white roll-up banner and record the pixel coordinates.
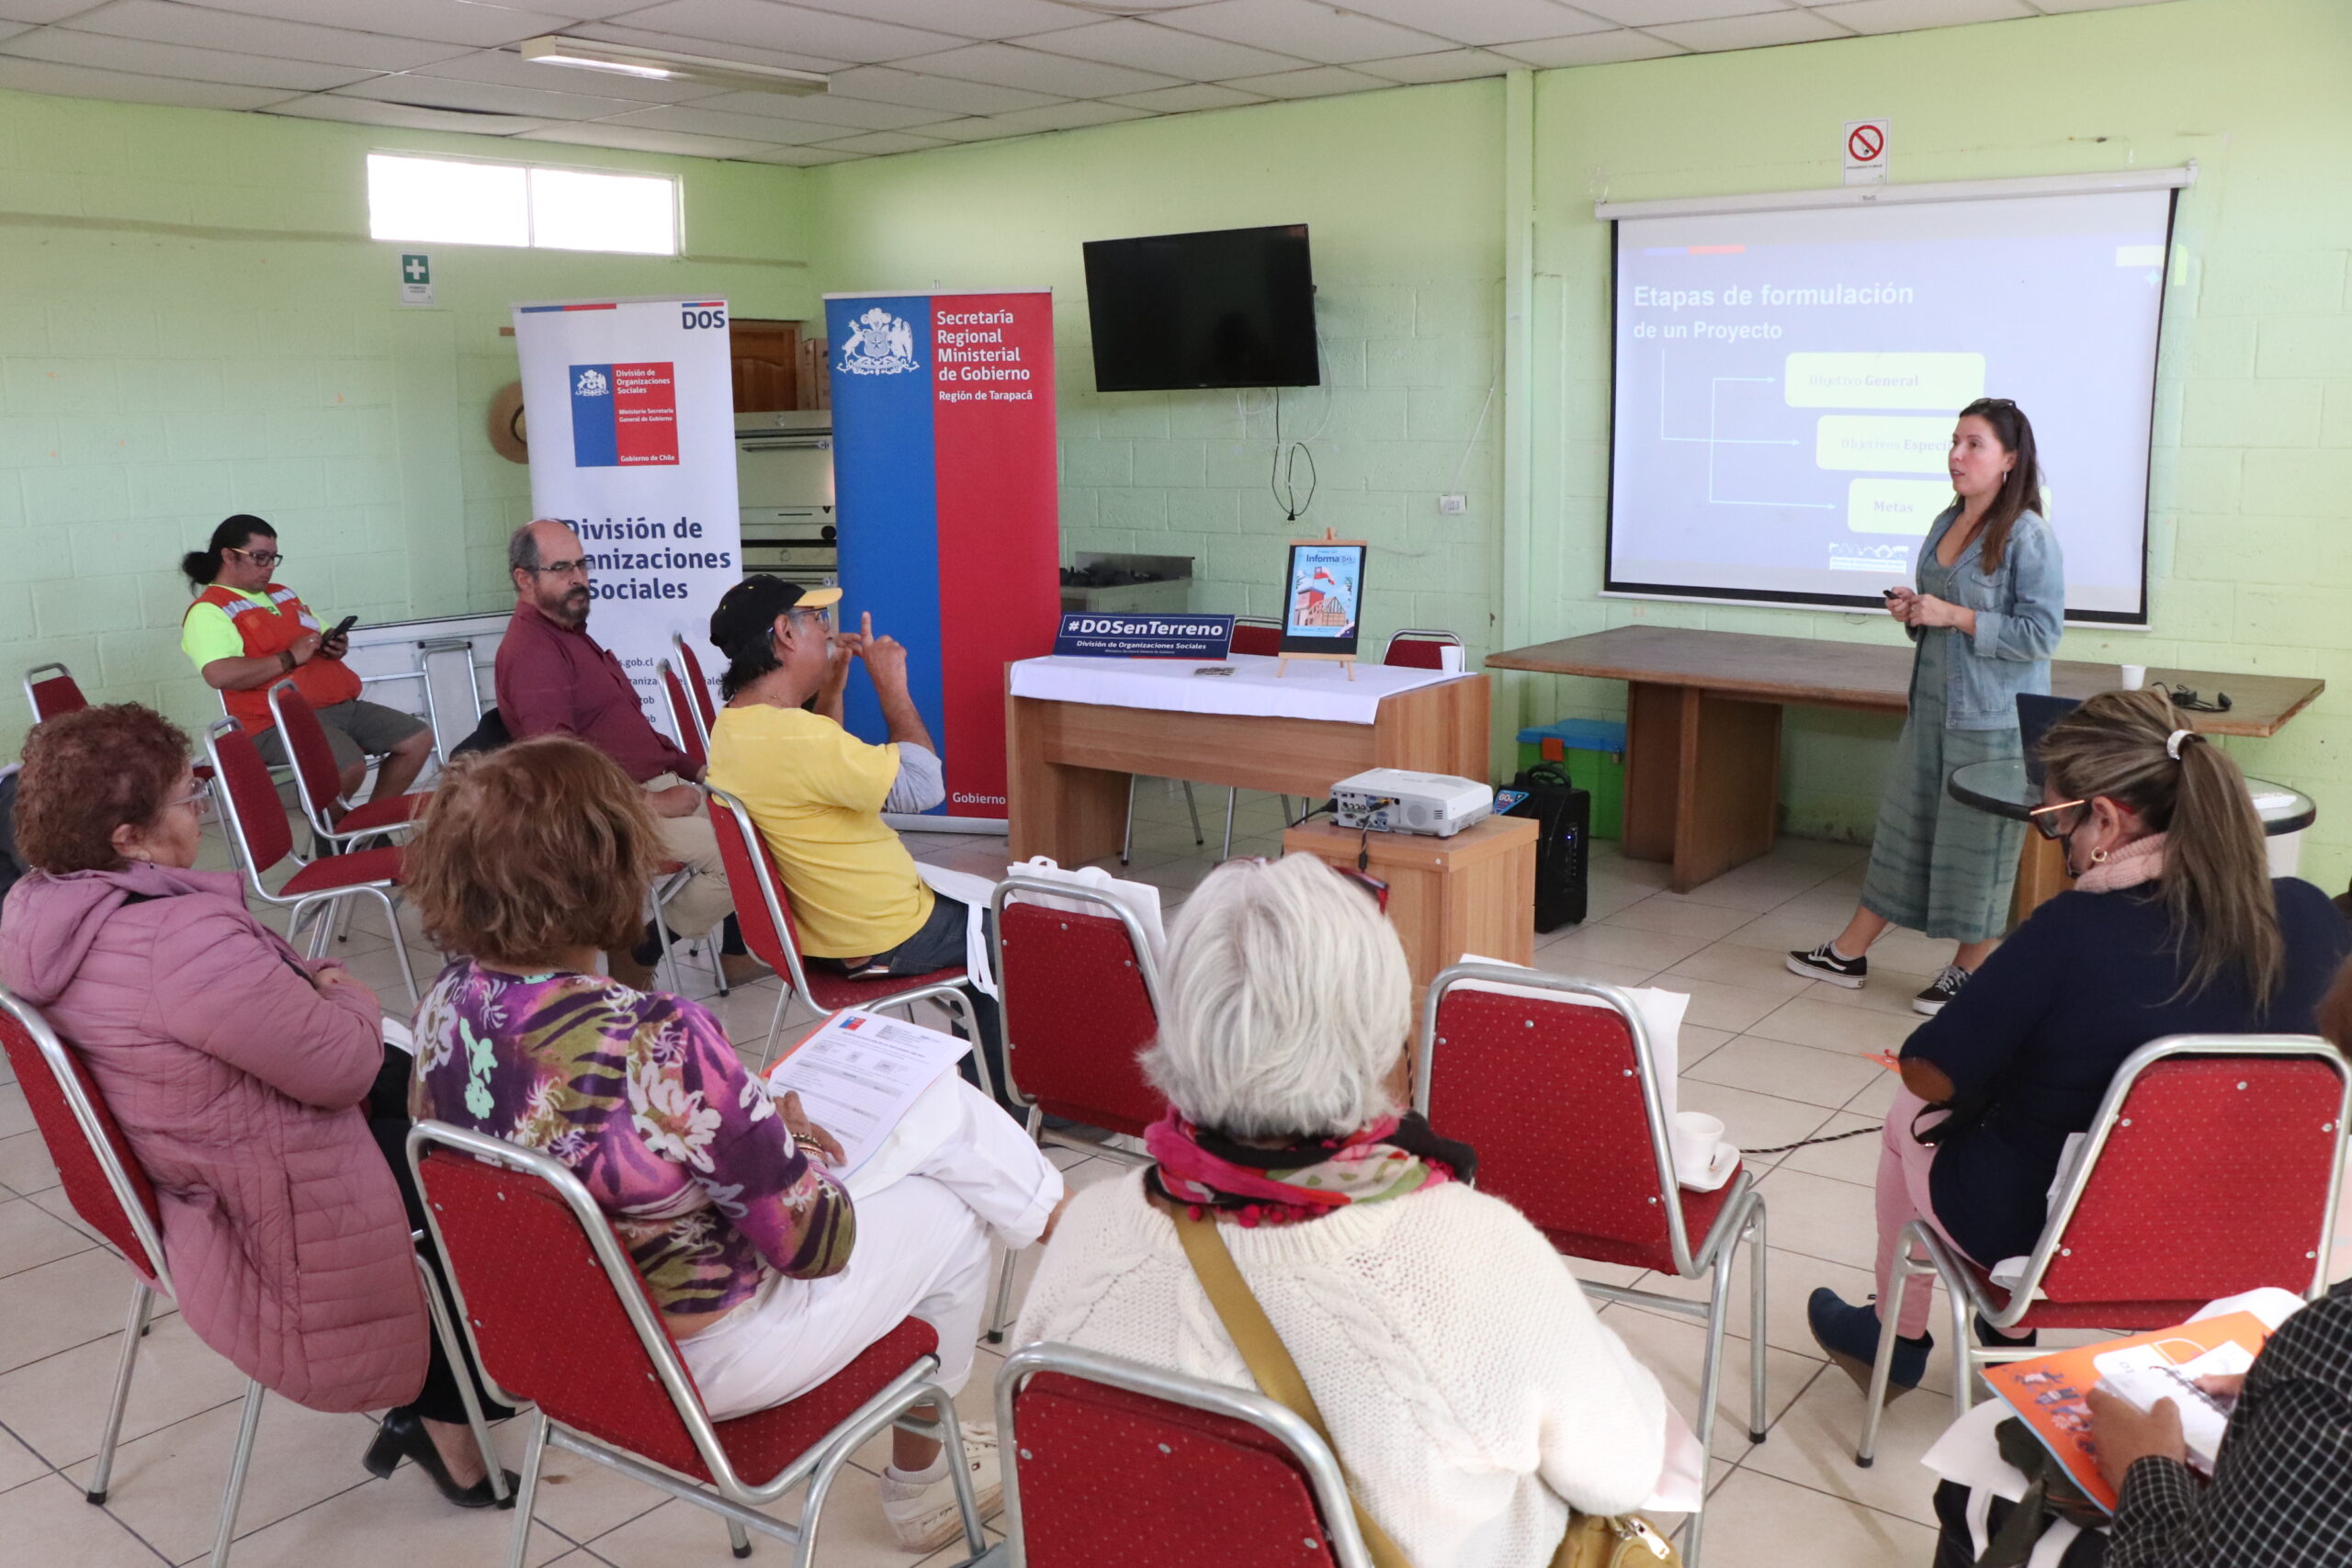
(632, 412)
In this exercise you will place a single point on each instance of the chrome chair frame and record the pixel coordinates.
(742, 1504)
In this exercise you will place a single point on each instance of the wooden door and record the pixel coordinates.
(766, 358)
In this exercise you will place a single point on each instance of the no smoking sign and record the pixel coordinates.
(1865, 151)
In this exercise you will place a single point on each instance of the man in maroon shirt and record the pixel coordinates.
(554, 679)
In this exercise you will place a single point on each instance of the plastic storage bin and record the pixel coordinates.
(1594, 752)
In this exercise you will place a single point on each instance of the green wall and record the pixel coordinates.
(2252, 478)
(193, 322)
(1401, 191)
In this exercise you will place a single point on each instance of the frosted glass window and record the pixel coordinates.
(445, 201)
(452, 201)
(576, 211)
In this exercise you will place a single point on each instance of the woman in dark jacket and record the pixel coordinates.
(2174, 926)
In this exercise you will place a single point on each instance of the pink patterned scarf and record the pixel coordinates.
(1206, 1170)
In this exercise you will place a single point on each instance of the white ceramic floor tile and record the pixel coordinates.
(1680, 917)
(1755, 1520)
(1826, 1079)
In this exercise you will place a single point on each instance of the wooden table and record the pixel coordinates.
(1472, 893)
(1069, 763)
(1703, 721)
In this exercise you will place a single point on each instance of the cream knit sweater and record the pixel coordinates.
(1466, 1384)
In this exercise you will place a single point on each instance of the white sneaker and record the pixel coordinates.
(924, 1515)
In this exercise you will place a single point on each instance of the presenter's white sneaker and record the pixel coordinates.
(922, 1513)
(1941, 990)
(1824, 962)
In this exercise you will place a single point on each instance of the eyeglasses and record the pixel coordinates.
(2045, 819)
(561, 568)
(263, 559)
(2185, 699)
(193, 799)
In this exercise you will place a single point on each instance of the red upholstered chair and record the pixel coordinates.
(2212, 1168)
(318, 780)
(51, 690)
(765, 913)
(1109, 1461)
(1417, 648)
(691, 675)
(261, 838)
(685, 716)
(1561, 1101)
(109, 1191)
(1081, 995)
(560, 1318)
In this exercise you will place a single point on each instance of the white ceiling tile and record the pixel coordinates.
(123, 86)
(1447, 65)
(441, 21)
(10, 29)
(1648, 12)
(1763, 30)
(2061, 5)
(1482, 21)
(1006, 65)
(824, 109)
(205, 28)
(1304, 29)
(179, 61)
(767, 25)
(1590, 49)
(637, 138)
(1070, 116)
(40, 11)
(1147, 47)
(603, 32)
(801, 157)
(408, 116)
(880, 142)
(1907, 15)
(484, 97)
(1317, 81)
(976, 128)
(1185, 100)
(698, 121)
(966, 19)
(508, 69)
(888, 84)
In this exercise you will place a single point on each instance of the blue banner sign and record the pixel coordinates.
(1087, 634)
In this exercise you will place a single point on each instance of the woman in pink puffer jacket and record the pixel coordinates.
(241, 1076)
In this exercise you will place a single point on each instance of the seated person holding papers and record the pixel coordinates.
(1472, 1394)
(529, 860)
(554, 679)
(818, 793)
(2174, 926)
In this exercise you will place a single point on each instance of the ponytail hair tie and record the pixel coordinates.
(2172, 743)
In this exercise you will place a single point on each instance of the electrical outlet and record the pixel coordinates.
(1453, 505)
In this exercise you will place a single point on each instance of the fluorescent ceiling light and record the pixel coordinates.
(661, 65)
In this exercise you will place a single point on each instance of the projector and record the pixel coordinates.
(1395, 800)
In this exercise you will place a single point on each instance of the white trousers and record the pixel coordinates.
(922, 1250)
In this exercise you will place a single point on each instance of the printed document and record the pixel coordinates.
(857, 1075)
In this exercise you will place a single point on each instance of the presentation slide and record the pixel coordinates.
(1786, 384)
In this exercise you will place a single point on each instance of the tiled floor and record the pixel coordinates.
(1777, 1057)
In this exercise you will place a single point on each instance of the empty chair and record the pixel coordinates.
(691, 676)
(1600, 1184)
(318, 780)
(685, 716)
(51, 690)
(1418, 647)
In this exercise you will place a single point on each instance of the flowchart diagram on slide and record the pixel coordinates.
(1885, 418)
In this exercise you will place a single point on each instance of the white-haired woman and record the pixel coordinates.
(1469, 1389)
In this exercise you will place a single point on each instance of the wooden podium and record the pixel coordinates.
(1472, 893)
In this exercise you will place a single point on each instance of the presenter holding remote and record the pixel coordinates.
(1985, 617)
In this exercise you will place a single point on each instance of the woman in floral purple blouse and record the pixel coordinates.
(531, 861)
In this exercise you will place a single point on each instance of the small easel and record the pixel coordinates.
(1282, 660)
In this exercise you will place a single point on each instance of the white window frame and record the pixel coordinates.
(530, 233)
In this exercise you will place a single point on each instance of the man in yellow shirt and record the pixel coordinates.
(818, 793)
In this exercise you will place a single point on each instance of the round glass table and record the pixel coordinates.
(2001, 788)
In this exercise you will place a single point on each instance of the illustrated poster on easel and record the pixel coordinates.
(1323, 603)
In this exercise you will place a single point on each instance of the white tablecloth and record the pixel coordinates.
(1312, 689)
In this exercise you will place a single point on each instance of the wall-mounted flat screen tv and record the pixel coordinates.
(1228, 308)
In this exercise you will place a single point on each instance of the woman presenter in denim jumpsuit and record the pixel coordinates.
(1985, 617)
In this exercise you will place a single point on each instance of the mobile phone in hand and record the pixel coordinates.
(342, 628)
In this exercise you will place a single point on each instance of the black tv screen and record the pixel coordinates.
(1228, 308)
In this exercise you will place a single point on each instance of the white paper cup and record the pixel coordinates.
(2134, 676)
(1694, 1137)
(1449, 658)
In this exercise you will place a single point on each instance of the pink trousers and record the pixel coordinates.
(1902, 1164)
